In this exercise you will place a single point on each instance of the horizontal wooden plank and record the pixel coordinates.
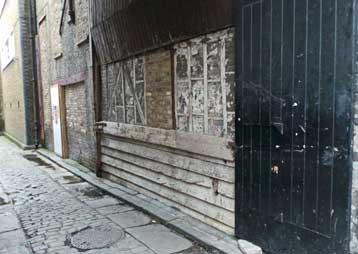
(222, 215)
(224, 188)
(202, 217)
(168, 170)
(199, 144)
(192, 190)
(209, 169)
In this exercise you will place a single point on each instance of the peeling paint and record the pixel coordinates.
(215, 106)
(205, 84)
(198, 96)
(213, 61)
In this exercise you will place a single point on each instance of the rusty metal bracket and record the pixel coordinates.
(98, 127)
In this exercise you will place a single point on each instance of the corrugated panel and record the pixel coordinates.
(128, 27)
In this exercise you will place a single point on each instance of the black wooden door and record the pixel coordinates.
(294, 124)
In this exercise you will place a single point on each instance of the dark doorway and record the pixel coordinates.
(294, 124)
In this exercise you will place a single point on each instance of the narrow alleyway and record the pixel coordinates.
(59, 213)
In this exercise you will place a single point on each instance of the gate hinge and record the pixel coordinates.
(98, 127)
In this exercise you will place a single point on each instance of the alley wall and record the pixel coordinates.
(169, 124)
(64, 61)
(1, 107)
(12, 73)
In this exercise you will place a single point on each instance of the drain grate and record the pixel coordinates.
(95, 238)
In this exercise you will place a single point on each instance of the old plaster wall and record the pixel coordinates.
(65, 61)
(192, 171)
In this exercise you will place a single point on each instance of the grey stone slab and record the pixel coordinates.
(248, 248)
(85, 191)
(119, 187)
(15, 250)
(130, 219)
(203, 233)
(8, 222)
(103, 202)
(107, 210)
(160, 239)
(6, 209)
(68, 179)
(12, 239)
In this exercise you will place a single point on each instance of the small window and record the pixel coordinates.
(204, 85)
(7, 50)
(125, 92)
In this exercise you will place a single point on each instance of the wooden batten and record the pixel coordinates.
(194, 173)
(216, 147)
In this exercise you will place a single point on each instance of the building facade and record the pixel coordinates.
(241, 114)
(1, 108)
(16, 72)
(64, 69)
(167, 104)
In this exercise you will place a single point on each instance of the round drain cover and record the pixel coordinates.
(96, 238)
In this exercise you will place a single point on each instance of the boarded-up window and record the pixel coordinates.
(204, 83)
(125, 92)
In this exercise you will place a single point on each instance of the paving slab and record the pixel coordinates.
(248, 248)
(160, 239)
(84, 191)
(103, 202)
(8, 222)
(15, 250)
(107, 210)
(217, 241)
(130, 219)
(12, 239)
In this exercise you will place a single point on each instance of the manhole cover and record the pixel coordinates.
(95, 238)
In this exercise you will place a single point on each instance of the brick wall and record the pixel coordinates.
(1, 107)
(12, 79)
(81, 21)
(65, 61)
(45, 70)
(77, 131)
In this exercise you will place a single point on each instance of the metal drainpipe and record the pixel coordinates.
(34, 79)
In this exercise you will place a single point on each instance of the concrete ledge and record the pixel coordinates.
(18, 142)
(173, 218)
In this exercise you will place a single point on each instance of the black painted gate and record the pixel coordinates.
(294, 124)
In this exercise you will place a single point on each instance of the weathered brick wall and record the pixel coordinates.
(54, 19)
(45, 70)
(12, 82)
(82, 21)
(156, 102)
(1, 107)
(159, 97)
(65, 61)
(27, 70)
(77, 131)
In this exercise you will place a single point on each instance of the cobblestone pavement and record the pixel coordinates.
(57, 210)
